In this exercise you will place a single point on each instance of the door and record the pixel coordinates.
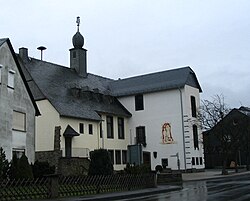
(68, 146)
(147, 158)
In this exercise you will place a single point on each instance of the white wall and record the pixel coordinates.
(45, 126)
(84, 140)
(159, 108)
(84, 143)
(18, 99)
(189, 121)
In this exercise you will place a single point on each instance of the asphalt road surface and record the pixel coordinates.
(235, 188)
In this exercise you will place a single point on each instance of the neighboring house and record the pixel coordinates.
(17, 107)
(157, 111)
(231, 137)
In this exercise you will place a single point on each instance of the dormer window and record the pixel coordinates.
(11, 76)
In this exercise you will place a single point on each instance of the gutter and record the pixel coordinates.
(182, 124)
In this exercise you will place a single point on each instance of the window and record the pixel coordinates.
(111, 154)
(124, 157)
(90, 129)
(195, 136)
(139, 102)
(81, 128)
(110, 130)
(201, 161)
(1, 67)
(74, 54)
(11, 76)
(19, 121)
(101, 130)
(18, 152)
(140, 135)
(193, 160)
(193, 106)
(118, 159)
(120, 128)
(197, 161)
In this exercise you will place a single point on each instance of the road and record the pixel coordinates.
(235, 188)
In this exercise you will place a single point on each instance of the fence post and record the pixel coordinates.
(155, 179)
(53, 188)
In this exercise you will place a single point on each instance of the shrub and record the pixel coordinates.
(158, 168)
(100, 163)
(41, 169)
(14, 170)
(20, 168)
(137, 169)
(4, 165)
(25, 170)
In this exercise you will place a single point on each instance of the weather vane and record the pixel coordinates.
(78, 23)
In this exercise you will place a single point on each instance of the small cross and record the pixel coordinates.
(78, 23)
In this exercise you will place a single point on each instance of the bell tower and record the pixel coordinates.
(78, 55)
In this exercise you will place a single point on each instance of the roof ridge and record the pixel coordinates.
(68, 68)
(158, 72)
(48, 62)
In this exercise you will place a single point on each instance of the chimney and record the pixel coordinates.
(78, 55)
(23, 53)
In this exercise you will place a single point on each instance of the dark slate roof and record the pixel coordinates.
(3, 40)
(70, 94)
(37, 93)
(70, 132)
(165, 80)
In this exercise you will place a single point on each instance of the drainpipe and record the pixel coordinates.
(182, 123)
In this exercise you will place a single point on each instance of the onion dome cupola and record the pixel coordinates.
(78, 55)
(78, 39)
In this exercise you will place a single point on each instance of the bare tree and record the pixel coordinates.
(212, 111)
(210, 114)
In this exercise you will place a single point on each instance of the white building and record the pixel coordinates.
(164, 117)
(157, 110)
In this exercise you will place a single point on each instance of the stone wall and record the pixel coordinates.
(52, 157)
(64, 166)
(74, 166)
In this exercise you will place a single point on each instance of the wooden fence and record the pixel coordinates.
(24, 189)
(56, 186)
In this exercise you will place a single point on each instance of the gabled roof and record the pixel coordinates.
(235, 115)
(165, 80)
(2, 41)
(70, 132)
(72, 95)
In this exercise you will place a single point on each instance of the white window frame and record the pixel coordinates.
(17, 124)
(11, 79)
(19, 152)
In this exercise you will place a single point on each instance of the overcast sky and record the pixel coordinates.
(125, 38)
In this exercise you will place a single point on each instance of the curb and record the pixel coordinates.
(217, 177)
(130, 194)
